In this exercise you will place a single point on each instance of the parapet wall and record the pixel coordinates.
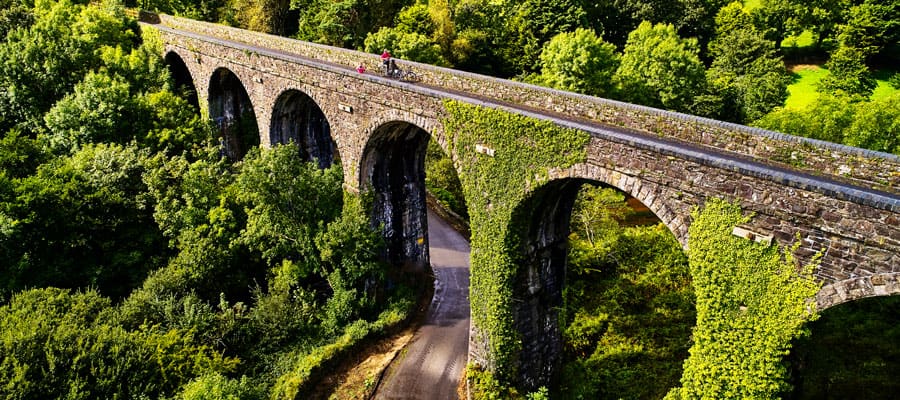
(860, 167)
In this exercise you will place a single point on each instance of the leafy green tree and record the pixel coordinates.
(534, 22)
(876, 125)
(61, 345)
(335, 23)
(405, 45)
(20, 155)
(747, 75)
(580, 62)
(659, 69)
(617, 18)
(598, 210)
(826, 119)
(416, 18)
(278, 226)
(269, 16)
(442, 180)
(848, 73)
(100, 107)
(81, 221)
(873, 27)
(779, 18)
(14, 14)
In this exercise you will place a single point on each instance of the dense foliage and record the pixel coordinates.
(442, 181)
(629, 304)
(851, 352)
(181, 274)
(752, 300)
(493, 186)
(712, 58)
(137, 262)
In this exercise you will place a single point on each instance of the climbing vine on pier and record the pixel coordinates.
(751, 302)
(521, 152)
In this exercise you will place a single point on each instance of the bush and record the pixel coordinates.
(60, 345)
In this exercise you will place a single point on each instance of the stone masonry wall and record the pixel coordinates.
(861, 242)
(857, 166)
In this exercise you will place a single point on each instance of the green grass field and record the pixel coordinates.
(804, 39)
(802, 90)
(752, 4)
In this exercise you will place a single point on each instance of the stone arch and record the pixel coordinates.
(663, 202)
(297, 118)
(183, 79)
(539, 231)
(392, 168)
(232, 111)
(883, 284)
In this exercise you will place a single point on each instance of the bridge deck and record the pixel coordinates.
(827, 184)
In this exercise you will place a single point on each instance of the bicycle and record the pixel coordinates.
(405, 75)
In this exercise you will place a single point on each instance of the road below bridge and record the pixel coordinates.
(436, 357)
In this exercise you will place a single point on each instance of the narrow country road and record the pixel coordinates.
(436, 356)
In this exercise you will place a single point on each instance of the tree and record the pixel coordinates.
(848, 73)
(81, 221)
(659, 69)
(532, 23)
(97, 111)
(43, 62)
(747, 76)
(844, 119)
(876, 125)
(873, 27)
(826, 119)
(278, 226)
(269, 16)
(59, 344)
(405, 45)
(580, 62)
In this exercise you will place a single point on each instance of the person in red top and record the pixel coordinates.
(361, 68)
(386, 60)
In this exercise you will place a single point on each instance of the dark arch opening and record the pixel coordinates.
(231, 110)
(850, 353)
(181, 77)
(393, 170)
(552, 294)
(297, 118)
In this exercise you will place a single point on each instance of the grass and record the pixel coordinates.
(750, 5)
(804, 39)
(805, 79)
(884, 89)
(802, 90)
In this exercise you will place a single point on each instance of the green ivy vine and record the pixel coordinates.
(524, 150)
(752, 300)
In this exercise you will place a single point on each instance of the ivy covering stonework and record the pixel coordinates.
(525, 149)
(752, 300)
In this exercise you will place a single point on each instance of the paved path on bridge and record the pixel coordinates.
(436, 356)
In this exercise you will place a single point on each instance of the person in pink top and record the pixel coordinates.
(386, 60)
(361, 68)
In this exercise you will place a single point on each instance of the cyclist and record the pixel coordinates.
(386, 60)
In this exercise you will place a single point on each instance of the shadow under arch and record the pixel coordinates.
(538, 241)
(232, 112)
(182, 78)
(851, 352)
(392, 169)
(297, 118)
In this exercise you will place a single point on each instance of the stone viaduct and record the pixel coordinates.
(839, 200)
